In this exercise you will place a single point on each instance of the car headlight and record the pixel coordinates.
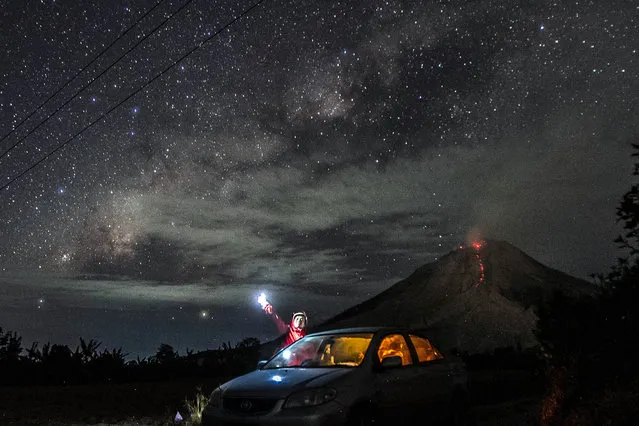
(215, 401)
(310, 397)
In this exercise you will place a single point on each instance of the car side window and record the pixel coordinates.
(425, 351)
(394, 345)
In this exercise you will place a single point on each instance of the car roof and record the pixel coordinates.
(357, 330)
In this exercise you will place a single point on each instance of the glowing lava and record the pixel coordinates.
(477, 245)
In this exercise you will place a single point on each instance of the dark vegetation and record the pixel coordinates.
(59, 385)
(585, 371)
(87, 363)
(590, 344)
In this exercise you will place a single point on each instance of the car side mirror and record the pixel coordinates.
(392, 362)
(261, 364)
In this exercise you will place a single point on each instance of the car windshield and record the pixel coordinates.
(336, 350)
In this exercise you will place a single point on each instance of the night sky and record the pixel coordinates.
(316, 150)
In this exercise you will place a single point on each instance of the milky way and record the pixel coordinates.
(319, 151)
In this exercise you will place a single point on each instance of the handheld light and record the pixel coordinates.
(262, 300)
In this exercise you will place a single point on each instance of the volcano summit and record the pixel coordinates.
(476, 298)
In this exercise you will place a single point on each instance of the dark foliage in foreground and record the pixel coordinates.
(591, 343)
(58, 364)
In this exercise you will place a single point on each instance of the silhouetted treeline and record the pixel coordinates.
(89, 363)
(591, 343)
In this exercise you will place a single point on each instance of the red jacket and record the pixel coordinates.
(292, 334)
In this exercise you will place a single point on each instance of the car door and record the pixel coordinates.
(432, 376)
(393, 386)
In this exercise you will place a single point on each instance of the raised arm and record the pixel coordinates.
(281, 325)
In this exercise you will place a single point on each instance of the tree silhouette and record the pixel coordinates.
(88, 351)
(34, 355)
(249, 342)
(10, 346)
(628, 214)
(590, 342)
(165, 354)
(58, 364)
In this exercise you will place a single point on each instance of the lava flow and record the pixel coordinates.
(477, 245)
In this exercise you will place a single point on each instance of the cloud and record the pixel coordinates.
(175, 237)
(238, 229)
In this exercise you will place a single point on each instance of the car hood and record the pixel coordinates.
(280, 382)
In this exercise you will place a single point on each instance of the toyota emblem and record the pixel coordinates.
(246, 405)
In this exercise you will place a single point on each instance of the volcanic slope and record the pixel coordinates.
(477, 298)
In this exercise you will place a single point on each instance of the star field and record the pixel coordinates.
(319, 151)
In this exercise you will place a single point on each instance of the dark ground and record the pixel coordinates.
(499, 397)
(130, 403)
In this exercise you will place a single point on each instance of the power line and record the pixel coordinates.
(76, 76)
(75, 95)
(160, 74)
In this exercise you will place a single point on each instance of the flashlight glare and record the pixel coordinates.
(262, 300)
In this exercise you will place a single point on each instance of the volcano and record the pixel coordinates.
(477, 298)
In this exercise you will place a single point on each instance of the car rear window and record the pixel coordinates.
(425, 351)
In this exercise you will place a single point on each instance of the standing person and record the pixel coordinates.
(295, 330)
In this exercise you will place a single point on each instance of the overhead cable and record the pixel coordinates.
(160, 74)
(75, 95)
(78, 73)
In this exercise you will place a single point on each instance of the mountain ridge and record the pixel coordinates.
(476, 298)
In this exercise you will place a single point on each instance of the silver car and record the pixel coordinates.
(346, 377)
